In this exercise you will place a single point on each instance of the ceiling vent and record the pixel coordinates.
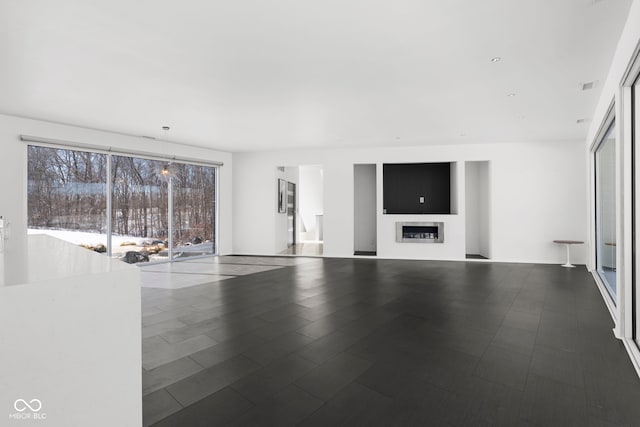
(588, 85)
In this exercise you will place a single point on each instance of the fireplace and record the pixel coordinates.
(419, 232)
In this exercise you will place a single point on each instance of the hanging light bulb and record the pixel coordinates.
(167, 171)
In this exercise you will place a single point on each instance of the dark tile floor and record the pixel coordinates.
(344, 342)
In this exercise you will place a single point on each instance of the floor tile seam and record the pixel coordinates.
(307, 359)
(262, 365)
(245, 397)
(425, 379)
(196, 362)
(279, 389)
(310, 416)
(562, 350)
(180, 379)
(174, 398)
(484, 352)
(473, 374)
(529, 373)
(295, 384)
(161, 321)
(158, 333)
(176, 347)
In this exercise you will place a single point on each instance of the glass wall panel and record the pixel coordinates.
(606, 211)
(156, 207)
(139, 209)
(67, 195)
(193, 209)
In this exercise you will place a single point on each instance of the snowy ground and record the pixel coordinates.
(86, 238)
(92, 239)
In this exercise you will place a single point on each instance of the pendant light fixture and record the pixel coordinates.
(168, 171)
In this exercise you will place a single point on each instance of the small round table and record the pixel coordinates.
(568, 244)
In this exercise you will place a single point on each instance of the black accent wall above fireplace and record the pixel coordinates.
(416, 188)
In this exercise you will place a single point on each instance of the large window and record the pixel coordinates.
(68, 195)
(606, 252)
(134, 209)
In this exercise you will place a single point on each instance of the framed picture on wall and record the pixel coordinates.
(282, 196)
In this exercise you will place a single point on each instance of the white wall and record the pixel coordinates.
(535, 186)
(13, 167)
(311, 193)
(365, 208)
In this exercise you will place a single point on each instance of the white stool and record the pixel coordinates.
(568, 244)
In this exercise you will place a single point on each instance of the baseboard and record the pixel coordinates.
(634, 353)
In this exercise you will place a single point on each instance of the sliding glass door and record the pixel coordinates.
(606, 245)
(193, 212)
(134, 209)
(139, 209)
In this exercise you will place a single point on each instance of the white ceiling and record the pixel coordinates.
(259, 75)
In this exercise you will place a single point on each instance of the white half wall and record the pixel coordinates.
(13, 167)
(537, 195)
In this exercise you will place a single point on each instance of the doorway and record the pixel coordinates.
(291, 214)
(300, 231)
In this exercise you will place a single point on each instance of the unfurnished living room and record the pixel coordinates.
(279, 213)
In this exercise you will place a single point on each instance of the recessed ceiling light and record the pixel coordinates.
(511, 95)
(579, 121)
(165, 128)
(496, 59)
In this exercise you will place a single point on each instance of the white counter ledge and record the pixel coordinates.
(45, 258)
(70, 336)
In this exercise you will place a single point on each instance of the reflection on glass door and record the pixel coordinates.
(193, 189)
(606, 211)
